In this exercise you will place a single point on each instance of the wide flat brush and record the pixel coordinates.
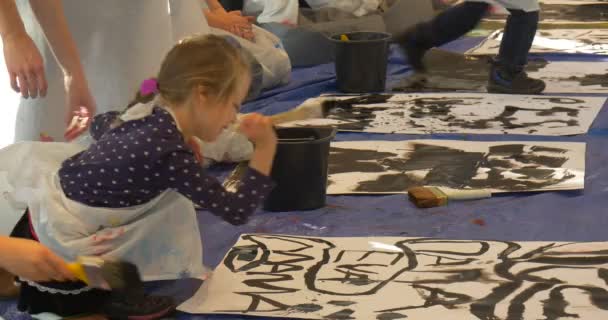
(107, 274)
(429, 197)
(321, 107)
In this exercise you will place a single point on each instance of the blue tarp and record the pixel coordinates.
(547, 216)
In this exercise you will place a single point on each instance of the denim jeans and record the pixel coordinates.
(457, 21)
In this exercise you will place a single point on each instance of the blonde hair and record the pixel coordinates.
(214, 62)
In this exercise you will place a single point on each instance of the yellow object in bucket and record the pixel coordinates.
(344, 38)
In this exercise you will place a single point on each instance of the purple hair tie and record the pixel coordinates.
(149, 86)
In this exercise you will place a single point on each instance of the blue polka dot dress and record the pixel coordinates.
(135, 162)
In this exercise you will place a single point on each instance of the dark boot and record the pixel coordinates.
(512, 80)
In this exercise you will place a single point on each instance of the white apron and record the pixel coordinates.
(161, 237)
(120, 42)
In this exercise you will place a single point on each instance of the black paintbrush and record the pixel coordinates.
(107, 274)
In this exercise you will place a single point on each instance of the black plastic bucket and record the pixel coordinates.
(300, 169)
(361, 61)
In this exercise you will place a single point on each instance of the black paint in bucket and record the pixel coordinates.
(361, 61)
(300, 169)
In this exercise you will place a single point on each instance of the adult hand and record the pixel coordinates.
(233, 22)
(33, 261)
(25, 65)
(81, 107)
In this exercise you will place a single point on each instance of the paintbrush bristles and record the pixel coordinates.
(122, 276)
(427, 197)
(313, 109)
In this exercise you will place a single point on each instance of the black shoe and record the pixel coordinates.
(413, 49)
(507, 81)
(138, 307)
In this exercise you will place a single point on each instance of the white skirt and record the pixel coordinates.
(161, 237)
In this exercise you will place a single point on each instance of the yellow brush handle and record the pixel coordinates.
(78, 271)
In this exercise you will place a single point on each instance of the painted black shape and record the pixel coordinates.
(388, 183)
(357, 118)
(517, 307)
(507, 149)
(483, 246)
(266, 283)
(246, 253)
(535, 173)
(569, 261)
(256, 304)
(592, 80)
(398, 255)
(271, 281)
(451, 167)
(555, 307)
(310, 277)
(561, 100)
(306, 308)
(355, 160)
(512, 247)
(233, 255)
(344, 314)
(454, 276)
(440, 108)
(484, 308)
(390, 316)
(457, 262)
(341, 303)
(527, 274)
(434, 297)
(603, 274)
(548, 149)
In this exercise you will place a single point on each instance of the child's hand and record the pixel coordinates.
(32, 261)
(259, 130)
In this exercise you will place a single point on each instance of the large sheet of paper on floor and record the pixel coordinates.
(392, 167)
(475, 113)
(589, 41)
(388, 278)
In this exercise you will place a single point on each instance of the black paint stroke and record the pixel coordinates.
(341, 303)
(508, 278)
(359, 115)
(344, 314)
(536, 166)
(390, 316)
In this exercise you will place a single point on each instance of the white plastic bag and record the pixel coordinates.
(268, 51)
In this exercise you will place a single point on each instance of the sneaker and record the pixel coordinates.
(412, 49)
(513, 82)
(138, 307)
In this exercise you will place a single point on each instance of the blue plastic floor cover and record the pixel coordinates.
(549, 216)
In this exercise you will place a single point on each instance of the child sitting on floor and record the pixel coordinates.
(130, 194)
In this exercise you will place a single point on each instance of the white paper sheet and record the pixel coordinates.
(406, 278)
(589, 41)
(474, 113)
(392, 167)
